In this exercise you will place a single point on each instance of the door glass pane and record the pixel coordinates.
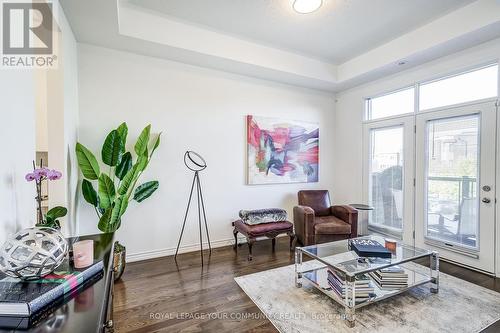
(386, 179)
(470, 86)
(451, 181)
(393, 104)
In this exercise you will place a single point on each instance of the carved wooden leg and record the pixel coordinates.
(274, 244)
(235, 233)
(250, 242)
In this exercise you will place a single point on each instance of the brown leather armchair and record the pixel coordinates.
(317, 221)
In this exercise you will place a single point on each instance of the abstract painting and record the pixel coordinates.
(282, 151)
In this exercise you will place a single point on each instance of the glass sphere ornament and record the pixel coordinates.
(33, 253)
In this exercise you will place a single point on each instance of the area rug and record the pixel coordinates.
(459, 306)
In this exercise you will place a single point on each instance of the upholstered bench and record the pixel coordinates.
(269, 230)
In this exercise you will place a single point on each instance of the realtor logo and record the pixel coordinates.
(27, 34)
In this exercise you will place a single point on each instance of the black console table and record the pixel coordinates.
(91, 309)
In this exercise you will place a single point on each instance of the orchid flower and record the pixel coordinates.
(39, 175)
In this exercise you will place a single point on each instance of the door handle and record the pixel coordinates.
(486, 200)
(486, 188)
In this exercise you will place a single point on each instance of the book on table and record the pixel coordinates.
(24, 298)
(393, 277)
(369, 248)
(364, 288)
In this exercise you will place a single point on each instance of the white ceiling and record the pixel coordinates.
(344, 44)
(338, 31)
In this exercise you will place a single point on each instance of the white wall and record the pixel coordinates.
(17, 142)
(197, 109)
(349, 111)
(61, 96)
(18, 137)
(41, 116)
(70, 105)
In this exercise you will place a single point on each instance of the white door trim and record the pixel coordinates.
(497, 183)
(487, 175)
(407, 122)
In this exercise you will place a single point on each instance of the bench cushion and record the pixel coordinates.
(262, 229)
(259, 216)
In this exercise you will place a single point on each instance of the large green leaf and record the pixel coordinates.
(142, 142)
(143, 161)
(123, 131)
(106, 191)
(157, 143)
(124, 166)
(129, 179)
(87, 162)
(145, 190)
(104, 224)
(89, 193)
(118, 210)
(56, 213)
(112, 149)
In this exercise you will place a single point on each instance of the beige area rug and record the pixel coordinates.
(459, 306)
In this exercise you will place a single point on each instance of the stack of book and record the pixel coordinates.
(35, 299)
(393, 277)
(364, 288)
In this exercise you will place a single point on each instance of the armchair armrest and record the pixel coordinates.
(303, 220)
(347, 214)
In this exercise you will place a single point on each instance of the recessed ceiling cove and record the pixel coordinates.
(337, 31)
(342, 44)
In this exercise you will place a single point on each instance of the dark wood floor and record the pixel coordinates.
(160, 296)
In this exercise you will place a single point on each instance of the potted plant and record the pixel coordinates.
(118, 186)
(39, 175)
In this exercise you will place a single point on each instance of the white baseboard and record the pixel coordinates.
(171, 251)
(145, 255)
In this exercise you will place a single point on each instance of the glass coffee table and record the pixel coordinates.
(351, 271)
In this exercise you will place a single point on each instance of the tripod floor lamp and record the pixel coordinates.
(195, 163)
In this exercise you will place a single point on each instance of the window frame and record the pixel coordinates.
(455, 74)
(410, 167)
(368, 103)
(416, 85)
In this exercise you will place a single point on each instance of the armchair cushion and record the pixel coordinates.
(331, 225)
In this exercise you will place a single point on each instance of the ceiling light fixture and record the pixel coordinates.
(306, 6)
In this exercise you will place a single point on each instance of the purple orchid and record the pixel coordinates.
(39, 175)
(42, 174)
(30, 177)
(54, 174)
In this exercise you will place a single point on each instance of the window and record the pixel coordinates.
(386, 179)
(393, 104)
(475, 85)
(452, 156)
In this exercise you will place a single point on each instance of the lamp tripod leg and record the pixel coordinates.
(199, 215)
(185, 217)
(204, 214)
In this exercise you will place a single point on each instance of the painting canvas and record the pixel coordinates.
(282, 151)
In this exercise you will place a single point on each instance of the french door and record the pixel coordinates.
(455, 183)
(389, 145)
